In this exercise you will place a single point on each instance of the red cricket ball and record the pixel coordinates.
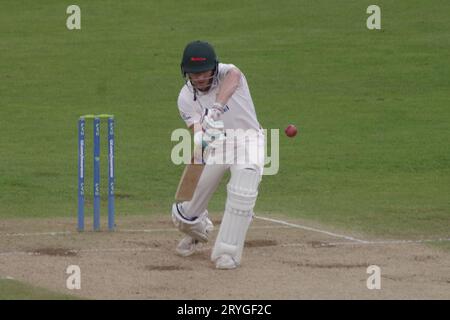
(291, 131)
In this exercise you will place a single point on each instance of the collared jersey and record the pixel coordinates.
(239, 110)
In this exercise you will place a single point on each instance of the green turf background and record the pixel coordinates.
(15, 290)
(373, 153)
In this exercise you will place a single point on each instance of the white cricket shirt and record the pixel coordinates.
(239, 110)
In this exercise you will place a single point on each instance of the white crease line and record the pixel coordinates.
(174, 229)
(206, 248)
(58, 233)
(311, 229)
(283, 225)
(51, 233)
(147, 230)
(36, 253)
(15, 253)
(116, 250)
(383, 242)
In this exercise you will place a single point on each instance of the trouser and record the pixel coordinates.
(246, 154)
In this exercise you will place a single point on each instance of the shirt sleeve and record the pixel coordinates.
(187, 112)
(223, 69)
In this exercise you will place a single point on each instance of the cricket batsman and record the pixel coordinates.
(215, 102)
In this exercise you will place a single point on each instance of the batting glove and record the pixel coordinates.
(212, 128)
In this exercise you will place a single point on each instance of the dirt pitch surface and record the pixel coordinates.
(281, 261)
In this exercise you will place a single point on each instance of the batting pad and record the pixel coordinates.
(241, 198)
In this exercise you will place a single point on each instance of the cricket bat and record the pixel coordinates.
(193, 171)
(190, 177)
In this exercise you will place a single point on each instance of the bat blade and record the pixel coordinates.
(188, 182)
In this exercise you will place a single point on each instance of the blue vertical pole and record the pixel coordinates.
(96, 174)
(81, 153)
(111, 224)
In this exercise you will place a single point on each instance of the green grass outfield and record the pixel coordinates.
(373, 107)
(15, 290)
